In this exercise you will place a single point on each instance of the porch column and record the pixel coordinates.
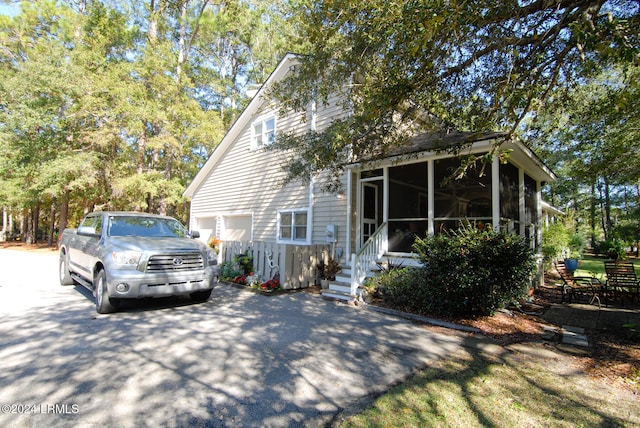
(539, 213)
(495, 193)
(521, 207)
(349, 196)
(430, 197)
(385, 196)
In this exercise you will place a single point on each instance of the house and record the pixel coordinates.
(551, 214)
(238, 197)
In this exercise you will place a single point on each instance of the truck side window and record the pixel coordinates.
(94, 222)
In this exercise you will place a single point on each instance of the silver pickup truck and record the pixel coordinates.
(130, 255)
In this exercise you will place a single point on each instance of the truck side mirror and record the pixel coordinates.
(87, 230)
(195, 234)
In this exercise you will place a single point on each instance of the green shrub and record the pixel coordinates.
(228, 271)
(555, 239)
(473, 271)
(245, 262)
(576, 246)
(400, 288)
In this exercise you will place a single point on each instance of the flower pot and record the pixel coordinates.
(571, 264)
(324, 283)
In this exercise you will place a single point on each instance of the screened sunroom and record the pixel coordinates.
(418, 193)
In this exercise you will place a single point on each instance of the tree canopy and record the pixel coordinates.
(470, 66)
(591, 135)
(117, 104)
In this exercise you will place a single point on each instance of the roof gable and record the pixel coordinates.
(245, 118)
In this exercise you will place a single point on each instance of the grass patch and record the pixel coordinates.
(594, 266)
(527, 386)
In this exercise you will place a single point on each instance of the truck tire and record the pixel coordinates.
(65, 275)
(104, 305)
(200, 296)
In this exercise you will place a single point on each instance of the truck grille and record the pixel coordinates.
(175, 262)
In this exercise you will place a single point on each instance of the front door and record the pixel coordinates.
(370, 211)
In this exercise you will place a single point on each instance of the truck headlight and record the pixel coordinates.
(126, 257)
(212, 258)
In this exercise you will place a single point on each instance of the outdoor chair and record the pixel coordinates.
(622, 279)
(572, 285)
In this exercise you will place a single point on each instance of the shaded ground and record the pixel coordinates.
(240, 359)
(612, 357)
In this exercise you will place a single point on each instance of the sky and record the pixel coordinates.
(9, 9)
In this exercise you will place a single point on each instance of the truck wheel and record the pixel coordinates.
(104, 305)
(65, 275)
(200, 296)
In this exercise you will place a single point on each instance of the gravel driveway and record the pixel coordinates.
(240, 359)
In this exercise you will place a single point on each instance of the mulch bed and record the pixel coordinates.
(613, 356)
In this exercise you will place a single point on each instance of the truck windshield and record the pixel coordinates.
(146, 227)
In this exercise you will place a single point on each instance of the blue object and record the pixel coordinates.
(571, 264)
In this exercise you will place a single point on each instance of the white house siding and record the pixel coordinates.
(329, 208)
(246, 181)
(328, 112)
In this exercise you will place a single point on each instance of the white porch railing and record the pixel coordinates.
(365, 259)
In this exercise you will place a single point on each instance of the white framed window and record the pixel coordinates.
(263, 132)
(293, 225)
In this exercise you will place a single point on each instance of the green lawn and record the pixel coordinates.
(594, 266)
(524, 386)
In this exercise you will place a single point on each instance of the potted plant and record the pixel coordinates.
(324, 283)
(331, 268)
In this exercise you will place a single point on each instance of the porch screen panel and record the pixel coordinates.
(408, 205)
(531, 210)
(461, 201)
(509, 198)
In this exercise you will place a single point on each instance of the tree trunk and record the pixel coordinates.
(592, 213)
(607, 208)
(24, 227)
(52, 224)
(602, 215)
(182, 54)
(142, 147)
(153, 22)
(64, 213)
(35, 228)
(638, 225)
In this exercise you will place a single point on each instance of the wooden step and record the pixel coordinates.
(338, 295)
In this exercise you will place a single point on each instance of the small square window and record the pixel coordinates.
(263, 132)
(293, 225)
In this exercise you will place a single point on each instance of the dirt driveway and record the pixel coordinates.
(240, 359)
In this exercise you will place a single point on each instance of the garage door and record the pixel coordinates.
(207, 226)
(237, 228)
